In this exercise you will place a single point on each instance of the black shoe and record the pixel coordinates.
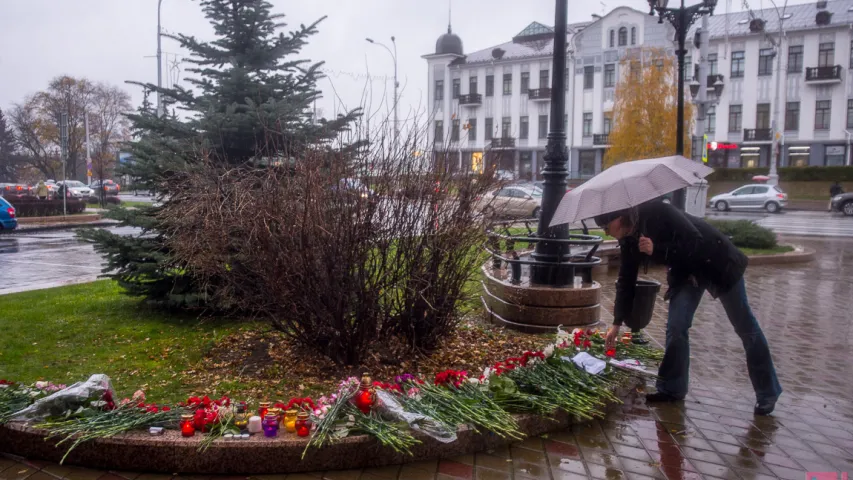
(765, 407)
(637, 338)
(659, 397)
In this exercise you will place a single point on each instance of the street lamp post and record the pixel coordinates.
(159, 62)
(556, 159)
(681, 18)
(396, 83)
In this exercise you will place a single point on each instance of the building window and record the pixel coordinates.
(472, 85)
(792, 116)
(826, 55)
(737, 64)
(524, 127)
(544, 78)
(586, 163)
(587, 124)
(712, 64)
(821, 114)
(454, 130)
(506, 127)
(623, 36)
(610, 75)
(588, 77)
(439, 131)
(471, 126)
(735, 112)
(688, 67)
(525, 82)
(634, 71)
(795, 59)
(851, 54)
(765, 61)
(849, 114)
(489, 128)
(608, 124)
(507, 86)
(457, 86)
(762, 115)
(439, 89)
(543, 126)
(633, 35)
(490, 85)
(711, 119)
(612, 39)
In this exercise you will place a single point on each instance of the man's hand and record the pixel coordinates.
(611, 337)
(646, 245)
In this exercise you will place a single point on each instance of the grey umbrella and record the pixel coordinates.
(627, 185)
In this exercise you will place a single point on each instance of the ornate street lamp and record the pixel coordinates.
(681, 18)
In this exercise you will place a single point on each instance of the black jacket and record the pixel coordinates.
(688, 245)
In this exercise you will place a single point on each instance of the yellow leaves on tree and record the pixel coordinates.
(645, 108)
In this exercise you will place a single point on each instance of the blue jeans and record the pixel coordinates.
(674, 370)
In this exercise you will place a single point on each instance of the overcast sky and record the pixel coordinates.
(115, 40)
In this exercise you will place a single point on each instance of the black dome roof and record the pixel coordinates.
(448, 43)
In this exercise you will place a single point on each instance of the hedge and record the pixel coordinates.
(789, 174)
(33, 207)
(745, 234)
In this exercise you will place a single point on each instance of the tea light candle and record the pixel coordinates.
(255, 425)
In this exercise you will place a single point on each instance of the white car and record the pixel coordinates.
(751, 197)
(513, 201)
(78, 189)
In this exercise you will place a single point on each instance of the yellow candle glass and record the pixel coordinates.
(290, 420)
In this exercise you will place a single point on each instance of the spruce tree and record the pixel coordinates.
(249, 100)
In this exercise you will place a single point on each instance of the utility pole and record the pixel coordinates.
(63, 145)
(88, 149)
(702, 102)
(159, 63)
(777, 132)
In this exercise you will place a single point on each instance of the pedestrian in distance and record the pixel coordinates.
(834, 189)
(41, 191)
(699, 258)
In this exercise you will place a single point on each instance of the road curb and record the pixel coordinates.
(805, 254)
(51, 228)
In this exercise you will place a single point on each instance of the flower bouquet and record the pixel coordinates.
(16, 397)
(214, 417)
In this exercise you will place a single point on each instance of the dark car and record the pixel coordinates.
(842, 203)
(110, 187)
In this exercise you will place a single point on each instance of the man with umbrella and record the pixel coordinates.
(699, 258)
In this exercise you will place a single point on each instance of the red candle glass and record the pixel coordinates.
(303, 425)
(366, 396)
(263, 409)
(187, 427)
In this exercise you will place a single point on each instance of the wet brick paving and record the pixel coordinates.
(806, 312)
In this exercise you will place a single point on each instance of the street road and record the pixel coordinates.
(799, 223)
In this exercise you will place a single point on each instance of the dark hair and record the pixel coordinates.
(605, 218)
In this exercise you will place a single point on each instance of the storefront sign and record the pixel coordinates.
(722, 146)
(836, 150)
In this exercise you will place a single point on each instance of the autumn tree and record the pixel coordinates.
(645, 110)
(108, 129)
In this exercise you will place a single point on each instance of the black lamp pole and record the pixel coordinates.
(680, 18)
(556, 159)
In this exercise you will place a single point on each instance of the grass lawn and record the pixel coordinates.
(523, 231)
(767, 251)
(65, 334)
(123, 204)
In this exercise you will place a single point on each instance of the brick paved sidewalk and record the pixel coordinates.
(806, 312)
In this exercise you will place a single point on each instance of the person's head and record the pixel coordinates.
(617, 224)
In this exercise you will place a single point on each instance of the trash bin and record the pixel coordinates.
(645, 294)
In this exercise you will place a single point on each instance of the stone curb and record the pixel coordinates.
(66, 226)
(171, 453)
(799, 255)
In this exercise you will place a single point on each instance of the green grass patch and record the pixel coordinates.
(768, 251)
(521, 231)
(65, 334)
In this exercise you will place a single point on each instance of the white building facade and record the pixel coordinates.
(498, 99)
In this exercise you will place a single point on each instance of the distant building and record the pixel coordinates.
(498, 98)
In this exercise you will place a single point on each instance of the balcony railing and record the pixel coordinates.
(539, 94)
(601, 139)
(757, 134)
(471, 99)
(824, 74)
(503, 142)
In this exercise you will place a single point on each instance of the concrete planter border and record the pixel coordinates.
(171, 453)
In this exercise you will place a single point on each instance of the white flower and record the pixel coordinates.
(41, 385)
(487, 372)
(475, 381)
(575, 331)
(549, 351)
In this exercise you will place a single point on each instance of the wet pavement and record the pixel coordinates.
(805, 313)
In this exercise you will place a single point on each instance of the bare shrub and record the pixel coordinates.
(342, 252)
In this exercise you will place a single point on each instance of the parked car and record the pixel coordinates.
(540, 184)
(8, 221)
(504, 175)
(78, 189)
(751, 197)
(842, 203)
(513, 201)
(15, 189)
(110, 187)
